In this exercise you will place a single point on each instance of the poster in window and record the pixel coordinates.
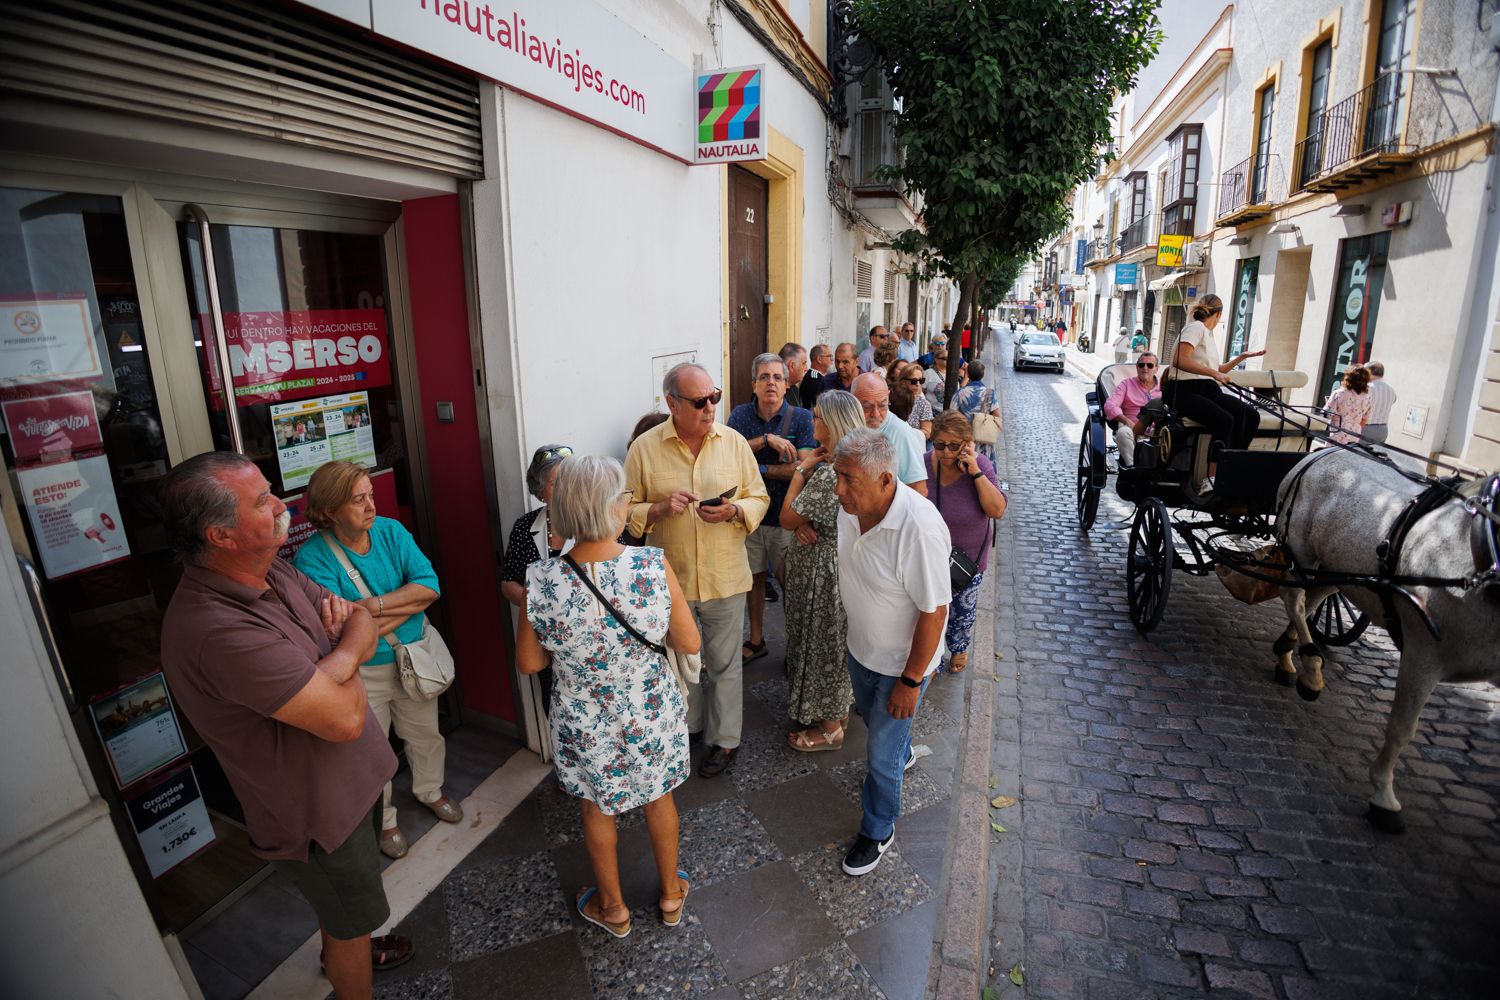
(171, 821)
(74, 515)
(277, 356)
(47, 340)
(1355, 307)
(138, 729)
(52, 428)
(323, 429)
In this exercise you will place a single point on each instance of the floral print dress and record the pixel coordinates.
(817, 676)
(619, 719)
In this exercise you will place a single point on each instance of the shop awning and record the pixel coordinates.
(1167, 281)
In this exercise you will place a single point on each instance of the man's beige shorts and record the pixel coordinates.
(767, 545)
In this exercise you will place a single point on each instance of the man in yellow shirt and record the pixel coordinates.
(697, 489)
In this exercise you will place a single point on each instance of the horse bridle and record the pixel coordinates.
(1484, 534)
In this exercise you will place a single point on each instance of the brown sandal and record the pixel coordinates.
(587, 895)
(673, 917)
(810, 741)
(958, 662)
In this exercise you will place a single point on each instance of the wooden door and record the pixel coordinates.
(748, 280)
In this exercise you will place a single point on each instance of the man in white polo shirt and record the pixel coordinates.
(895, 585)
(1382, 398)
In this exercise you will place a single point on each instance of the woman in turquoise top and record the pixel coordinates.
(400, 578)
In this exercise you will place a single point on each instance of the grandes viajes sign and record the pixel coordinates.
(571, 54)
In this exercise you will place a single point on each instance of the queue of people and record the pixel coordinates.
(634, 582)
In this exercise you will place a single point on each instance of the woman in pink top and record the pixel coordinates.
(1349, 406)
(1123, 406)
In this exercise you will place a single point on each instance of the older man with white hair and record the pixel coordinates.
(698, 490)
(895, 585)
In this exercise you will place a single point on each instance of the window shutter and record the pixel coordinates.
(245, 68)
(864, 279)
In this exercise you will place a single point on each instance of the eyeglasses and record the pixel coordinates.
(770, 377)
(947, 445)
(1145, 364)
(548, 454)
(702, 401)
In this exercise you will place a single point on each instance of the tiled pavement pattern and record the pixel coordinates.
(770, 915)
(1189, 827)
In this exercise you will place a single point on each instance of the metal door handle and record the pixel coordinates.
(221, 342)
(744, 312)
(44, 625)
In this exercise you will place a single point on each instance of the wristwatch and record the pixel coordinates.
(909, 682)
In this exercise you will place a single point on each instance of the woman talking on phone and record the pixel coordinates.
(1194, 389)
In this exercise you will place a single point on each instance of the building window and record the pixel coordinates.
(1182, 180)
(1351, 328)
(1393, 54)
(1265, 115)
(1136, 230)
(1311, 153)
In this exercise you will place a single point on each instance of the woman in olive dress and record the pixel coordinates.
(817, 678)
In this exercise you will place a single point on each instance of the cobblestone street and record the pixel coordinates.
(1185, 825)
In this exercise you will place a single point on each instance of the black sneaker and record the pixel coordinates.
(866, 854)
(771, 596)
(716, 763)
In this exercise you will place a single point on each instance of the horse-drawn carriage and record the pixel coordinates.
(1343, 534)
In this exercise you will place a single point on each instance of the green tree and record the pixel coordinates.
(1004, 106)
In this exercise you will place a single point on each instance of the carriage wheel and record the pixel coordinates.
(1337, 622)
(1148, 565)
(1088, 493)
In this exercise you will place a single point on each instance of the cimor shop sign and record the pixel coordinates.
(571, 54)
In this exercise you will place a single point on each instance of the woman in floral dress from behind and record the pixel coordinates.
(1349, 405)
(619, 717)
(818, 687)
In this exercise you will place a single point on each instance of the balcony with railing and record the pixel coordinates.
(1098, 250)
(1135, 236)
(885, 202)
(1381, 128)
(1250, 189)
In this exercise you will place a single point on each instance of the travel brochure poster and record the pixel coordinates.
(310, 432)
(138, 729)
(74, 515)
(171, 821)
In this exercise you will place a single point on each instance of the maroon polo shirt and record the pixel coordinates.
(234, 655)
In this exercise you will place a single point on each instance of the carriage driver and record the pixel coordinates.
(1123, 407)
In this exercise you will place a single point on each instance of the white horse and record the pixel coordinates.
(1333, 511)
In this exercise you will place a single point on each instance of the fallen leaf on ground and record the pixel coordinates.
(997, 828)
(1016, 976)
(994, 783)
(1003, 801)
(990, 993)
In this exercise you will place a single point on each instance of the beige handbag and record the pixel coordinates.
(987, 428)
(425, 667)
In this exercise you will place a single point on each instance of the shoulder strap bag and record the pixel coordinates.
(425, 667)
(687, 667)
(961, 568)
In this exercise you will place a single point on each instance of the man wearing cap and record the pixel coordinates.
(874, 398)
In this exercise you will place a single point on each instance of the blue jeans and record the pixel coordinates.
(887, 750)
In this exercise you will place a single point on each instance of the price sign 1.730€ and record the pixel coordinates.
(171, 823)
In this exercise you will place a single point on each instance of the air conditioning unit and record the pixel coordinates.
(1192, 256)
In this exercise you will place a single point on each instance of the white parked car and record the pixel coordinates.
(1037, 349)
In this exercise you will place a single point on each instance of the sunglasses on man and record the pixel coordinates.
(702, 401)
(1145, 364)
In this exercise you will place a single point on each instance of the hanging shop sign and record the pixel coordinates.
(51, 428)
(1126, 274)
(1080, 255)
(74, 515)
(275, 356)
(47, 341)
(138, 729)
(729, 116)
(171, 821)
(1171, 250)
(1244, 305)
(311, 432)
(571, 54)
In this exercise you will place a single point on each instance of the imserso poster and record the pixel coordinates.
(310, 432)
(74, 515)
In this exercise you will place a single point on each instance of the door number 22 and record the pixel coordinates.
(750, 216)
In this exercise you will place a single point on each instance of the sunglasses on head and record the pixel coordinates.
(548, 454)
(1145, 364)
(703, 401)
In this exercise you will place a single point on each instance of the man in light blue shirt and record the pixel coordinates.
(906, 346)
(878, 337)
(874, 397)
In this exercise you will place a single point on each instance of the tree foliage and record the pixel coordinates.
(1004, 106)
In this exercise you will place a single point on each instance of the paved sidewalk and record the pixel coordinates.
(1187, 827)
(771, 913)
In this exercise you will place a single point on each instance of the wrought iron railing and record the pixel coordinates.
(1135, 235)
(1401, 112)
(1099, 249)
(1255, 180)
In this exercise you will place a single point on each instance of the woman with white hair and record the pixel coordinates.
(600, 615)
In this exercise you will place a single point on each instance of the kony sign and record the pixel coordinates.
(289, 355)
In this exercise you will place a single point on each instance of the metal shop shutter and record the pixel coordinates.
(250, 68)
